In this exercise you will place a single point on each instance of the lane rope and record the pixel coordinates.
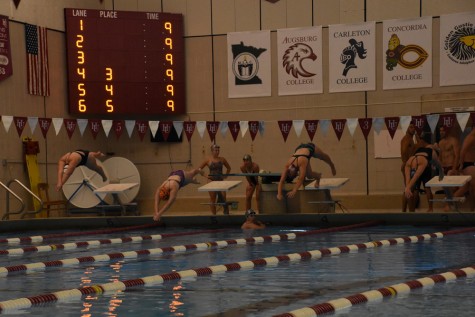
(74, 234)
(377, 295)
(112, 287)
(41, 266)
(96, 243)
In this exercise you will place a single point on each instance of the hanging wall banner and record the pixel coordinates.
(6, 69)
(249, 68)
(407, 53)
(352, 58)
(457, 51)
(299, 60)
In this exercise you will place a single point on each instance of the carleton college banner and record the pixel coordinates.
(249, 69)
(352, 57)
(457, 49)
(299, 60)
(6, 69)
(407, 53)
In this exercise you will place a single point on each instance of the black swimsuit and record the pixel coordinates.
(84, 155)
(427, 173)
(293, 171)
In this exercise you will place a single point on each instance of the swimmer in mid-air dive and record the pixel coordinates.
(299, 165)
(69, 161)
(168, 190)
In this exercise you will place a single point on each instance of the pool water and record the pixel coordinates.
(262, 291)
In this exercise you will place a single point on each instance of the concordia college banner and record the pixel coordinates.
(299, 60)
(249, 68)
(352, 57)
(407, 53)
(457, 49)
(6, 69)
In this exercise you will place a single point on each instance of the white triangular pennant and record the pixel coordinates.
(378, 124)
(57, 124)
(201, 127)
(324, 126)
(352, 123)
(223, 127)
(106, 126)
(432, 120)
(262, 127)
(244, 127)
(32, 122)
(404, 122)
(462, 119)
(129, 126)
(178, 125)
(298, 126)
(82, 124)
(154, 127)
(7, 122)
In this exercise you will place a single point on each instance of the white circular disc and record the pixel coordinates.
(79, 188)
(119, 171)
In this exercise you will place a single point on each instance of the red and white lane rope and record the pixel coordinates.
(376, 295)
(96, 243)
(76, 294)
(41, 266)
(37, 239)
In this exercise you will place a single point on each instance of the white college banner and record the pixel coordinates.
(457, 49)
(249, 69)
(407, 53)
(299, 61)
(352, 57)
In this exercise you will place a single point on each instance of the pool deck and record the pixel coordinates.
(236, 218)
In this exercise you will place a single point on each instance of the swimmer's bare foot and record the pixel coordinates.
(317, 180)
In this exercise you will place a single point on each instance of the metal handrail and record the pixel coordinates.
(21, 211)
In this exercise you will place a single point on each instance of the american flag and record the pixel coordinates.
(37, 60)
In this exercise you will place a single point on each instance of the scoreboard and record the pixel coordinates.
(125, 63)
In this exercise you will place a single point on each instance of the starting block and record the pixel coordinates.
(220, 186)
(327, 184)
(446, 183)
(115, 190)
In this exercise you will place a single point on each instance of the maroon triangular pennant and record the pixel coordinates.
(311, 127)
(95, 125)
(189, 128)
(212, 127)
(234, 128)
(253, 129)
(45, 124)
(285, 127)
(338, 127)
(165, 128)
(447, 120)
(419, 122)
(20, 123)
(392, 124)
(365, 125)
(141, 127)
(118, 127)
(70, 125)
(16, 3)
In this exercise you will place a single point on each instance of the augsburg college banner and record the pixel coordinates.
(407, 53)
(457, 51)
(299, 61)
(352, 57)
(249, 68)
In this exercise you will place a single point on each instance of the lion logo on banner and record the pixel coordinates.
(294, 57)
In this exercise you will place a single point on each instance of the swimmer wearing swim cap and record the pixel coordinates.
(168, 190)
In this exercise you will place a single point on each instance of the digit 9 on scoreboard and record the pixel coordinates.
(123, 62)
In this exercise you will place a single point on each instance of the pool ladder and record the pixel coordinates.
(20, 211)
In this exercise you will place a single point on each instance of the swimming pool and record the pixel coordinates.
(265, 290)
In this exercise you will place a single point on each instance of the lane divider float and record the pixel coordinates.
(112, 287)
(41, 266)
(377, 295)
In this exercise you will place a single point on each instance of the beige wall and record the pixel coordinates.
(206, 25)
